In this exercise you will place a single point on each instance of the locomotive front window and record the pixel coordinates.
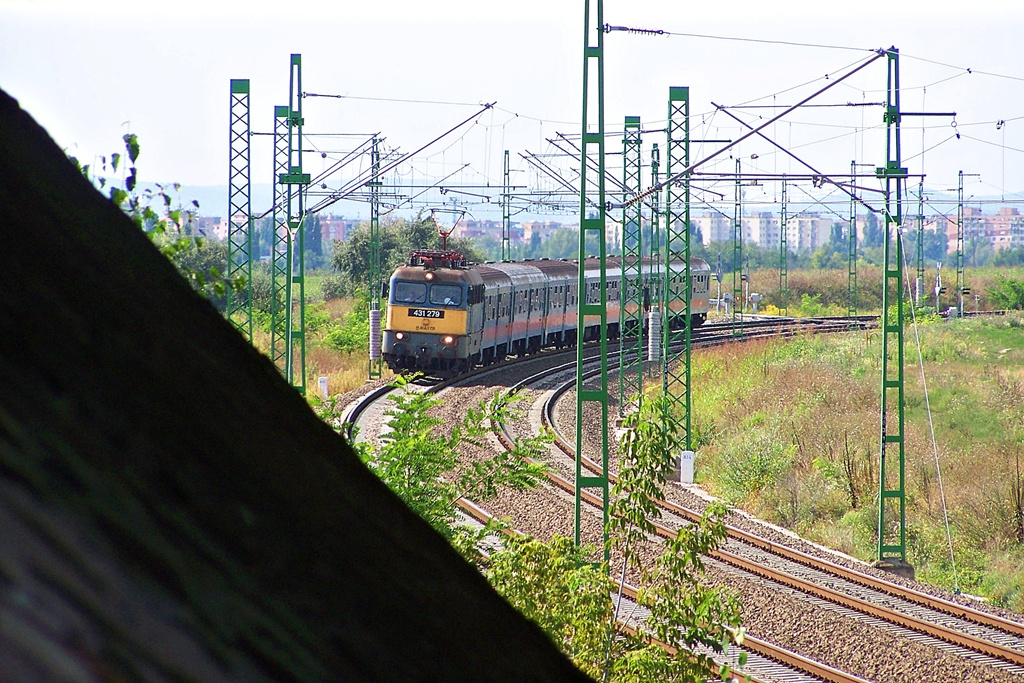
(445, 295)
(409, 293)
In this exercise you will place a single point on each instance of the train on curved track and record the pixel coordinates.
(445, 316)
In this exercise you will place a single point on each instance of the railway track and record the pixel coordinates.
(929, 620)
(765, 662)
(953, 627)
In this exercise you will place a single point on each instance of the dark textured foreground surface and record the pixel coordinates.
(169, 508)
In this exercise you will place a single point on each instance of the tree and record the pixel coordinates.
(554, 586)
(550, 583)
(827, 257)
(563, 243)
(936, 245)
(196, 256)
(873, 234)
(263, 238)
(398, 237)
(977, 251)
(313, 238)
(684, 612)
(696, 234)
(1008, 258)
(1007, 293)
(836, 239)
(535, 243)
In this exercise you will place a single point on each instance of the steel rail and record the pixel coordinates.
(761, 647)
(863, 606)
(756, 645)
(911, 595)
(932, 602)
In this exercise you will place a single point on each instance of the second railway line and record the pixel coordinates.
(547, 512)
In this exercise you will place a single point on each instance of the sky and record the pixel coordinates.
(90, 71)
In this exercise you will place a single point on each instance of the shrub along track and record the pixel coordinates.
(869, 646)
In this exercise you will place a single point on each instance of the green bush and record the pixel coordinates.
(353, 334)
(756, 461)
(1007, 293)
(333, 287)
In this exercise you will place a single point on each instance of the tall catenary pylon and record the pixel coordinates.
(851, 255)
(288, 307)
(375, 367)
(892, 535)
(919, 280)
(784, 252)
(631, 343)
(239, 305)
(593, 302)
(676, 286)
(506, 212)
(737, 257)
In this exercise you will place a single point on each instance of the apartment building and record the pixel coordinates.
(1003, 230)
(805, 231)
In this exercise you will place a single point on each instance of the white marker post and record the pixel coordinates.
(686, 467)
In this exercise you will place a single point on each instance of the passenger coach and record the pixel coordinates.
(444, 317)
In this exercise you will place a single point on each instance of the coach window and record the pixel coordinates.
(445, 295)
(409, 293)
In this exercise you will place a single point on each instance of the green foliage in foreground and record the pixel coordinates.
(552, 582)
(418, 461)
(684, 613)
(200, 262)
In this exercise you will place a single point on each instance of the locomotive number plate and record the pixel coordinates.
(426, 313)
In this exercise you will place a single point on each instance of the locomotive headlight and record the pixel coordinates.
(399, 336)
(429, 276)
(448, 340)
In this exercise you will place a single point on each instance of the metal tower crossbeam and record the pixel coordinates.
(239, 304)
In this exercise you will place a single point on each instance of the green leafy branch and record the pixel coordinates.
(165, 231)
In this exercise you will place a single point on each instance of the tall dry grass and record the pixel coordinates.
(831, 287)
(344, 371)
(790, 432)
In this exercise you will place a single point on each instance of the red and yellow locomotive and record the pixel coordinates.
(445, 316)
